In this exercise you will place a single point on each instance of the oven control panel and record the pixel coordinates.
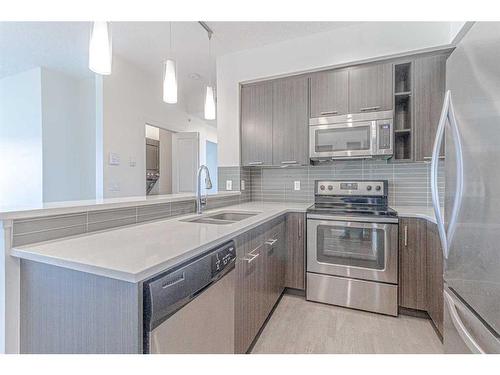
(376, 188)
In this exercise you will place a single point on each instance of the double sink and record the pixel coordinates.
(222, 217)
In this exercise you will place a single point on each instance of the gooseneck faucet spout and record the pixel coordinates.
(202, 202)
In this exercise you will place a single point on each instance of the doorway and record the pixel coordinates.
(211, 160)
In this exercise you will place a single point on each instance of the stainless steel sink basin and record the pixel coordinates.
(221, 218)
(232, 216)
(206, 220)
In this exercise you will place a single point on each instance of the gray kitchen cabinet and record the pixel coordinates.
(413, 263)
(290, 122)
(248, 296)
(429, 90)
(295, 247)
(370, 88)
(260, 272)
(421, 269)
(256, 124)
(435, 282)
(328, 92)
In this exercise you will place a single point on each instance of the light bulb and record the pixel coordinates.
(210, 104)
(169, 82)
(100, 49)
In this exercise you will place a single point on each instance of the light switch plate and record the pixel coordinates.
(114, 158)
(132, 162)
(296, 185)
(242, 187)
(229, 185)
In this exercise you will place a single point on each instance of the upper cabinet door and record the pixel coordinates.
(430, 85)
(328, 93)
(370, 88)
(290, 121)
(257, 124)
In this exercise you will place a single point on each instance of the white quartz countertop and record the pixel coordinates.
(426, 213)
(137, 252)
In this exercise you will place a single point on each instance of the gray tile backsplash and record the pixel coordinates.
(236, 175)
(46, 228)
(409, 183)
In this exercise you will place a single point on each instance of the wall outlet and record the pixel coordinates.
(296, 185)
(229, 185)
(114, 158)
(242, 187)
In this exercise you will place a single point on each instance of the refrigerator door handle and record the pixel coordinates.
(460, 327)
(447, 114)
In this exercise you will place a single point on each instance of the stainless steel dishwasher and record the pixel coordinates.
(190, 308)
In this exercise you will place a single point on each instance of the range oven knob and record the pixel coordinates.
(330, 187)
(377, 187)
(369, 187)
(322, 187)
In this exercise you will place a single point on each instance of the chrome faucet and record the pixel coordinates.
(202, 202)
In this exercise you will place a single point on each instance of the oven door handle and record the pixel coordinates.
(348, 224)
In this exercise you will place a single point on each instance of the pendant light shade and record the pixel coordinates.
(210, 104)
(169, 82)
(100, 49)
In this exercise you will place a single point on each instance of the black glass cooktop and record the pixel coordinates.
(338, 209)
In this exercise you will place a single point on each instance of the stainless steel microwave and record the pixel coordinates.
(353, 136)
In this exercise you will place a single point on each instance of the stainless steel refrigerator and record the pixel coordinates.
(469, 226)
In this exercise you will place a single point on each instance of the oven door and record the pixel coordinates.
(344, 140)
(366, 251)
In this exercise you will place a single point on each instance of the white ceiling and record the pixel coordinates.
(63, 46)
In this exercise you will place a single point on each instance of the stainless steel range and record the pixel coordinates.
(352, 246)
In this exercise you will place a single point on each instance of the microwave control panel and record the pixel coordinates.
(384, 136)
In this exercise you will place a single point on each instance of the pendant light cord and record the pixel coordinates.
(210, 33)
(170, 38)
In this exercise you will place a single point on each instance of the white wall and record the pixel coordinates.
(21, 139)
(354, 43)
(132, 98)
(68, 123)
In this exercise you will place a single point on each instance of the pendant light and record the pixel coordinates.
(210, 104)
(169, 77)
(100, 54)
(209, 96)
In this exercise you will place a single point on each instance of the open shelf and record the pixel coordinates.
(403, 112)
(404, 93)
(402, 146)
(402, 77)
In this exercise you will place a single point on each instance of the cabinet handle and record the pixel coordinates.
(252, 257)
(289, 162)
(328, 113)
(271, 242)
(406, 235)
(299, 228)
(255, 163)
(374, 108)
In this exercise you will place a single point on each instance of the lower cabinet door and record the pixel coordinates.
(295, 248)
(248, 293)
(412, 263)
(274, 264)
(435, 281)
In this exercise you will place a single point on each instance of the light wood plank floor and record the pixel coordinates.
(300, 326)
